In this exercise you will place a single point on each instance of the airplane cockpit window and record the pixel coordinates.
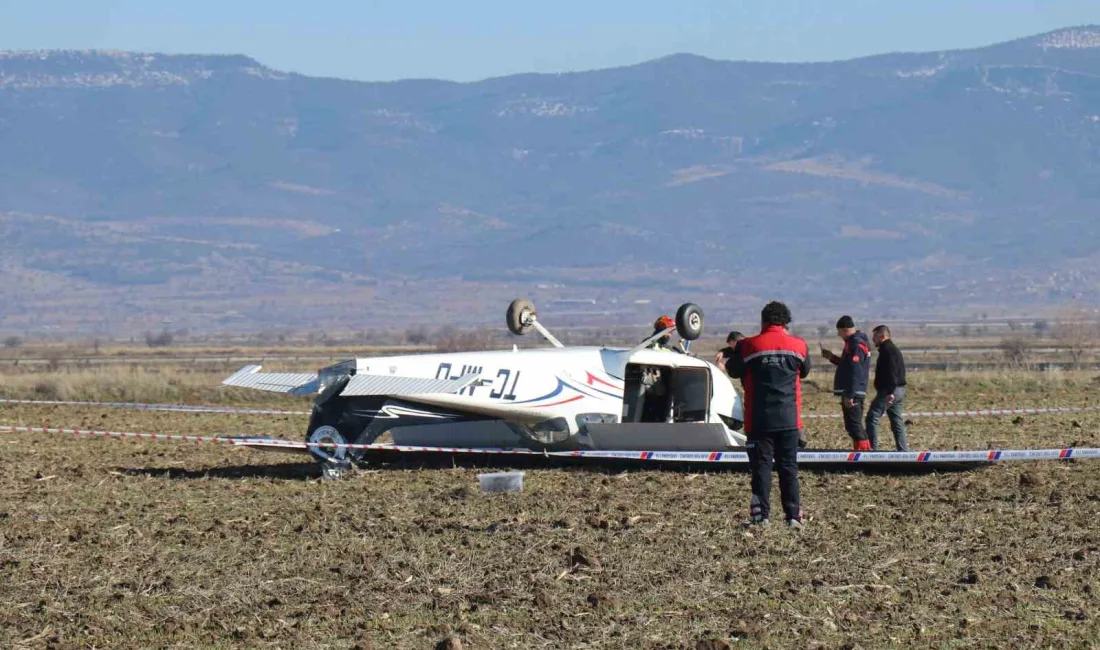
(662, 394)
(648, 394)
(658, 394)
(690, 395)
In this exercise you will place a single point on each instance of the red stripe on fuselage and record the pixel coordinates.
(593, 378)
(571, 399)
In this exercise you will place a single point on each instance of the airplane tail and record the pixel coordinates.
(290, 383)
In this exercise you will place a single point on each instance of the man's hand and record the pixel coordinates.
(848, 402)
(720, 360)
(890, 399)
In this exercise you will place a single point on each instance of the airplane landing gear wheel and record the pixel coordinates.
(521, 316)
(324, 435)
(689, 321)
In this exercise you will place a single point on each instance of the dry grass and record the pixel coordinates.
(109, 543)
(131, 383)
(1061, 344)
(139, 379)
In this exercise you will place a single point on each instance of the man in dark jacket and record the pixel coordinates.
(853, 368)
(723, 355)
(889, 390)
(771, 367)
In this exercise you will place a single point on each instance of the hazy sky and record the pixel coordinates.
(474, 39)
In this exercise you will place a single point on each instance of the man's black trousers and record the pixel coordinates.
(779, 448)
(853, 419)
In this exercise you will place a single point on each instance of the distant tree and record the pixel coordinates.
(1013, 326)
(416, 335)
(451, 339)
(13, 342)
(161, 340)
(964, 330)
(822, 331)
(1076, 335)
(1016, 350)
(1041, 327)
(53, 360)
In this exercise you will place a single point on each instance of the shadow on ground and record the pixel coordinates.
(280, 471)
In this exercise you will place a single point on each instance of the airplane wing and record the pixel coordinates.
(296, 383)
(301, 383)
(391, 385)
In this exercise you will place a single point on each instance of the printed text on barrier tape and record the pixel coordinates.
(983, 455)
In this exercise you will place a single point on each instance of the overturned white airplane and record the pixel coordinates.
(556, 398)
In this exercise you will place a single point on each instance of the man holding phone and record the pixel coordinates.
(853, 369)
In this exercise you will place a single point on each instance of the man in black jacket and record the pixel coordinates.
(853, 368)
(889, 390)
(724, 354)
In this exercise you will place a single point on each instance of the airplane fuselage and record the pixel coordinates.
(551, 394)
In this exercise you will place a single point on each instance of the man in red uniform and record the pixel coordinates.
(771, 367)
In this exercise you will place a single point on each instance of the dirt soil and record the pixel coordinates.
(134, 544)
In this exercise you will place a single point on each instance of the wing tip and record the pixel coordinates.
(243, 372)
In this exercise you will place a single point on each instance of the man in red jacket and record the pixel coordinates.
(771, 367)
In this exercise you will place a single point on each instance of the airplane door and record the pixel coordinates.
(648, 394)
(691, 391)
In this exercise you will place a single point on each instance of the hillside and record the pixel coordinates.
(218, 193)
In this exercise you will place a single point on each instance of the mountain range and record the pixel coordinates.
(213, 192)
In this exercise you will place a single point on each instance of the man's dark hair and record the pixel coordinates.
(881, 329)
(775, 313)
(733, 336)
(845, 323)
